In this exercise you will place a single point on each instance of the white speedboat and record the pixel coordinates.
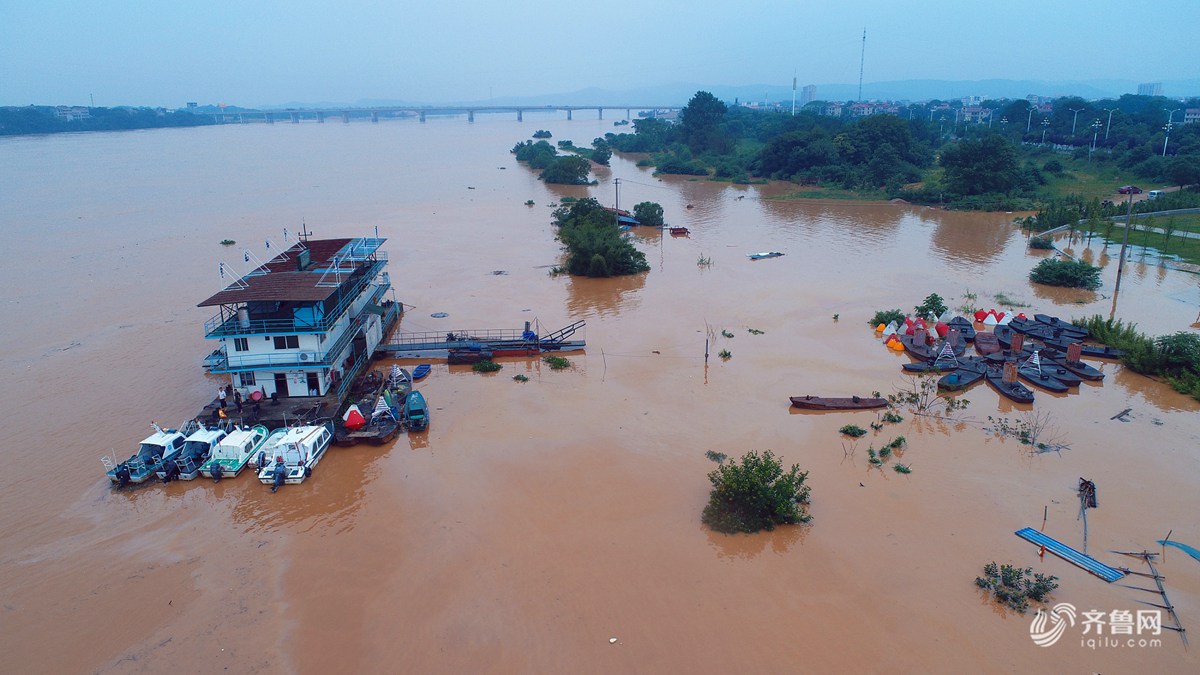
(293, 456)
(196, 451)
(160, 447)
(234, 452)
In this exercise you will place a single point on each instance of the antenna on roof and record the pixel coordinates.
(862, 62)
(238, 282)
(304, 233)
(285, 235)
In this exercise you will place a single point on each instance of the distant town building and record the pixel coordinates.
(1033, 99)
(1191, 116)
(192, 104)
(975, 114)
(1150, 89)
(808, 94)
(832, 110)
(971, 101)
(72, 113)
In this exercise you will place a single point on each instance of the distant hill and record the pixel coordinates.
(678, 93)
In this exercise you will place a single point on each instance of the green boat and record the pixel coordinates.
(416, 412)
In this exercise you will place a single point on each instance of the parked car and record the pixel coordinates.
(1129, 190)
(1154, 194)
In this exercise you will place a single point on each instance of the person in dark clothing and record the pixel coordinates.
(237, 399)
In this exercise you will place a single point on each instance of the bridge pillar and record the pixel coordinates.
(270, 118)
(346, 116)
(627, 113)
(422, 115)
(519, 117)
(375, 118)
(321, 117)
(470, 115)
(241, 118)
(601, 111)
(569, 111)
(295, 118)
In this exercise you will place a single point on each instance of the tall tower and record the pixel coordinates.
(861, 62)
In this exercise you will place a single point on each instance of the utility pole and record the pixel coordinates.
(617, 185)
(861, 63)
(1108, 126)
(1168, 128)
(1076, 118)
(793, 95)
(1124, 243)
(1029, 120)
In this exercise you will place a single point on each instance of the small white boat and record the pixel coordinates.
(234, 452)
(763, 254)
(161, 446)
(294, 454)
(196, 450)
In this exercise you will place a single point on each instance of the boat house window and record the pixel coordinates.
(247, 379)
(241, 345)
(287, 342)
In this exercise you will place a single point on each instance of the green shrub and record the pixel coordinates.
(1041, 243)
(853, 430)
(556, 362)
(756, 494)
(901, 468)
(892, 417)
(1067, 273)
(886, 316)
(520, 378)
(228, 242)
(1014, 586)
(485, 366)
(933, 306)
(725, 354)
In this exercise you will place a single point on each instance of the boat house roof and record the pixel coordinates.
(307, 272)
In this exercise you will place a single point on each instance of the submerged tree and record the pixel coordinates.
(756, 494)
(595, 245)
(648, 213)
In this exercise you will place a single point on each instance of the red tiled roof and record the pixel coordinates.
(282, 281)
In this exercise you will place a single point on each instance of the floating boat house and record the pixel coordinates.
(304, 324)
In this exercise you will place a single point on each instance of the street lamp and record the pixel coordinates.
(1108, 126)
(1096, 132)
(1166, 128)
(1076, 118)
(1029, 120)
(1045, 126)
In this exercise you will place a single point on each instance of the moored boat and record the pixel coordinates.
(679, 231)
(196, 450)
(1014, 390)
(1091, 351)
(1083, 370)
(149, 457)
(1040, 378)
(416, 412)
(234, 452)
(421, 371)
(293, 456)
(960, 379)
(1065, 326)
(835, 403)
(763, 255)
(986, 343)
(964, 326)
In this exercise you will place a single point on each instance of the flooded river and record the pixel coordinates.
(533, 522)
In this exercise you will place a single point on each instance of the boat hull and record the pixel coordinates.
(828, 403)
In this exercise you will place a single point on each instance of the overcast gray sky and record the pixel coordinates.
(262, 52)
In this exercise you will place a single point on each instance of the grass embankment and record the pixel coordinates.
(832, 193)
(1163, 234)
(1099, 177)
(1175, 357)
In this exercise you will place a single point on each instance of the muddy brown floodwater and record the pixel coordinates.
(533, 522)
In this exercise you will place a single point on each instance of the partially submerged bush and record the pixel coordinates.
(853, 430)
(1041, 243)
(1067, 273)
(933, 306)
(485, 366)
(556, 362)
(756, 494)
(1014, 587)
(886, 316)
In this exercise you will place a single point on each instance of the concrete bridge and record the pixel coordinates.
(374, 114)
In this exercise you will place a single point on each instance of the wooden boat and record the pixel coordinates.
(293, 456)
(964, 326)
(1083, 370)
(161, 446)
(1003, 335)
(827, 403)
(468, 356)
(234, 452)
(986, 343)
(929, 352)
(1042, 379)
(960, 379)
(196, 450)
(679, 231)
(1091, 351)
(421, 371)
(1015, 391)
(381, 428)
(416, 412)
(1061, 373)
(763, 254)
(1009, 355)
(1065, 326)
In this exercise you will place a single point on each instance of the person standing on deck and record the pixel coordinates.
(221, 397)
(237, 399)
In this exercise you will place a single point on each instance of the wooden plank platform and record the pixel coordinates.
(1069, 554)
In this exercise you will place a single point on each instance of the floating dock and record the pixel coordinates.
(500, 342)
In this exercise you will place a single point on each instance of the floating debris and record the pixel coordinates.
(439, 315)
